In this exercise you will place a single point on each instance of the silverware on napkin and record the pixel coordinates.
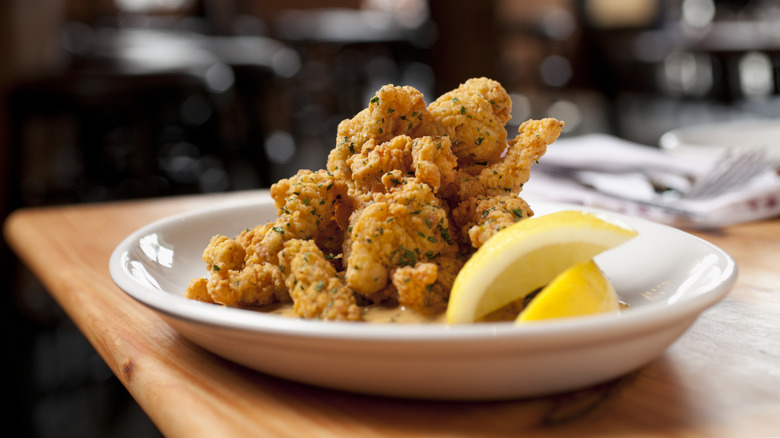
(604, 171)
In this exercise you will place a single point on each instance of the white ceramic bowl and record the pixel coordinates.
(668, 277)
(710, 140)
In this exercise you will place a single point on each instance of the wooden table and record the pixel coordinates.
(722, 378)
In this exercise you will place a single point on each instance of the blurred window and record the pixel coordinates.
(139, 6)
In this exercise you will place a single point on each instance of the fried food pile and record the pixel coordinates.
(409, 193)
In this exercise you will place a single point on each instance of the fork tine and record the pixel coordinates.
(737, 171)
(730, 170)
(716, 172)
(718, 176)
(751, 162)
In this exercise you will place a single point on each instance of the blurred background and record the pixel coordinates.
(118, 99)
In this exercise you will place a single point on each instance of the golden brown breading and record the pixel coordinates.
(433, 161)
(312, 282)
(425, 287)
(198, 290)
(331, 239)
(377, 225)
(375, 160)
(392, 111)
(233, 281)
(253, 285)
(481, 217)
(412, 283)
(473, 116)
(508, 174)
(430, 159)
(251, 240)
(223, 253)
(305, 204)
(408, 225)
(307, 197)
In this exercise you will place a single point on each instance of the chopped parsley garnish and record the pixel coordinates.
(445, 233)
(408, 258)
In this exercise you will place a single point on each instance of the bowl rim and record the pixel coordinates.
(578, 329)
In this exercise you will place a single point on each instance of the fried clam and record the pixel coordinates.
(406, 225)
(314, 287)
(408, 193)
(474, 116)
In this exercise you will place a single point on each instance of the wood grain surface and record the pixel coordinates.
(722, 378)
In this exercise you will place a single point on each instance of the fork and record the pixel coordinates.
(662, 178)
(733, 169)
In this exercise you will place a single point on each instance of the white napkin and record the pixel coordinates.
(631, 193)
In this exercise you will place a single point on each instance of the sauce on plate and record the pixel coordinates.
(403, 315)
(372, 314)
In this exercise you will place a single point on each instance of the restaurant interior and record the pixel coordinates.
(108, 100)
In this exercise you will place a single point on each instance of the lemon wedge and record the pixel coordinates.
(527, 256)
(580, 290)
